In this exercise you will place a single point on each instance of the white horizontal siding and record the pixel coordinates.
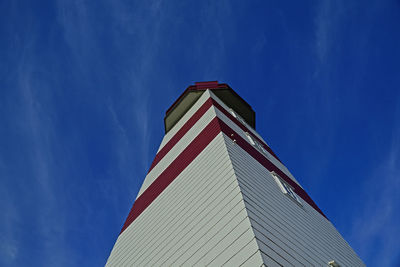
(298, 235)
(226, 209)
(291, 225)
(203, 98)
(251, 129)
(214, 203)
(233, 214)
(231, 244)
(242, 134)
(199, 218)
(254, 260)
(269, 261)
(244, 254)
(177, 149)
(170, 204)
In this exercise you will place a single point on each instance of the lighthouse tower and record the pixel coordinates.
(216, 194)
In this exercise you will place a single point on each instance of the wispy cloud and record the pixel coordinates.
(325, 23)
(136, 67)
(40, 129)
(30, 198)
(9, 242)
(139, 72)
(376, 226)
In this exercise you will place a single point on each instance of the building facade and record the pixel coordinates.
(216, 194)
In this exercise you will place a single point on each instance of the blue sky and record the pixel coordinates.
(84, 86)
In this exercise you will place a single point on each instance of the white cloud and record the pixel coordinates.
(129, 22)
(324, 23)
(376, 226)
(10, 218)
(40, 133)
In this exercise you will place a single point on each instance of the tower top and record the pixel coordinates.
(222, 90)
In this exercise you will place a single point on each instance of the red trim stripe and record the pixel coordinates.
(206, 85)
(173, 170)
(268, 164)
(214, 85)
(194, 149)
(244, 128)
(182, 131)
(192, 121)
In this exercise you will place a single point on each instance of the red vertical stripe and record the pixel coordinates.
(194, 149)
(268, 165)
(182, 131)
(189, 124)
(173, 170)
(244, 128)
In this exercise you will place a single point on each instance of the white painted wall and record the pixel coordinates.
(199, 219)
(226, 209)
(177, 149)
(203, 98)
(290, 234)
(237, 129)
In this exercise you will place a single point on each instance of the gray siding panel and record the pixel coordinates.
(237, 129)
(297, 234)
(226, 209)
(185, 118)
(177, 149)
(242, 256)
(254, 260)
(200, 218)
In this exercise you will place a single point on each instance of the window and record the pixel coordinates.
(257, 145)
(234, 114)
(250, 139)
(286, 188)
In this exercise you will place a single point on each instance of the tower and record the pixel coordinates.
(216, 194)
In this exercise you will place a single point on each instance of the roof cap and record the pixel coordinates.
(222, 90)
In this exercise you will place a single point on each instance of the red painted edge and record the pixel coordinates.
(206, 85)
(182, 131)
(173, 170)
(189, 124)
(244, 128)
(199, 143)
(268, 164)
(200, 86)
